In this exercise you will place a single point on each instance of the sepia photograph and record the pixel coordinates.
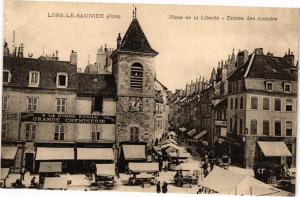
(154, 98)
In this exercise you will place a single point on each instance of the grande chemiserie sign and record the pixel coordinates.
(67, 118)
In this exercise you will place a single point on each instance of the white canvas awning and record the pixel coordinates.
(230, 183)
(134, 152)
(143, 167)
(274, 149)
(170, 145)
(106, 169)
(55, 183)
(4, 173)
(43, 153)
(182, 129)
(95, 154)
(192, 132)
(169, 141)
(199, 135)
(9, 152)
(50, 167)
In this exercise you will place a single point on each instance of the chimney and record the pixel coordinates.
(259, 51)
(242, 58)
(5, 49)
(119, 40)
(73, 57)
(56, 55)
(289, 57)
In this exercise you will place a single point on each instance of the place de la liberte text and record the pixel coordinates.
(216, 18)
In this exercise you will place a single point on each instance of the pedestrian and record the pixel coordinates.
(33, 183)
(158, 187)
(160, 164)
(164, 188)
(22, 172)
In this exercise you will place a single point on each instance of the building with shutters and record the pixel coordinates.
(51, 113)
(262, 108)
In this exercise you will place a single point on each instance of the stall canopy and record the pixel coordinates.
(172, 133)
(55, 183)
(134, 152)
(46, 167)
(43, 153)
(8, 152)
(106, 169)
(95, 154)
(192, 132)
(188, 166)
(200, 135)
(169, 141)
(274, 149)
(182, 129)
(230, 183)
(170, 145)
(180, 155)
(4, 173)
(143, 167)
(157, 149)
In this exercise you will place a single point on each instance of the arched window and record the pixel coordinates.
(136, 79)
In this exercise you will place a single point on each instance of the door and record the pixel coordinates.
(29, 161)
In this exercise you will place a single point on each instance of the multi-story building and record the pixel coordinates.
(261, 113)
(51, 112)
(161, 115)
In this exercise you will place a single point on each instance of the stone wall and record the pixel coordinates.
(144, 120)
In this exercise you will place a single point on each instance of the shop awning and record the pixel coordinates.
(47, 154)
(180, 155)
(201, 134)
(106, 169)
(188, 166)
(95, 154)
(192, 132)
(8, 152)
(4, 173)
(50, 167)
(55, 183)
(134, 152)
(143, 167)
(274, 149)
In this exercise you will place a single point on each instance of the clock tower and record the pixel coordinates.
(133, 67)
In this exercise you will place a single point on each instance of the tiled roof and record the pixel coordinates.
(96, 84)
(135, 40)
(20, 68)
(264, 66)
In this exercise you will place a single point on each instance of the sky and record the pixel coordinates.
(188, 49)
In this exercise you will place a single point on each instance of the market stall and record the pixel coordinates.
(55, 183)
(187, 174)
(143, 173)
(105, 176)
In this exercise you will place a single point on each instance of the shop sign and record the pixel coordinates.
(67, 118)
(221, 123)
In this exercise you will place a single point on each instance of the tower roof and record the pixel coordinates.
(135, 40)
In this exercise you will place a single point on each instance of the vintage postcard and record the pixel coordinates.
(149, 98)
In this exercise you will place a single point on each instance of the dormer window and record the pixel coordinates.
(62, 80)
(269, 86)
(34, 79)
(6, 76)
(287, 87)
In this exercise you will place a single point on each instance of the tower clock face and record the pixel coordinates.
(135, 104)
